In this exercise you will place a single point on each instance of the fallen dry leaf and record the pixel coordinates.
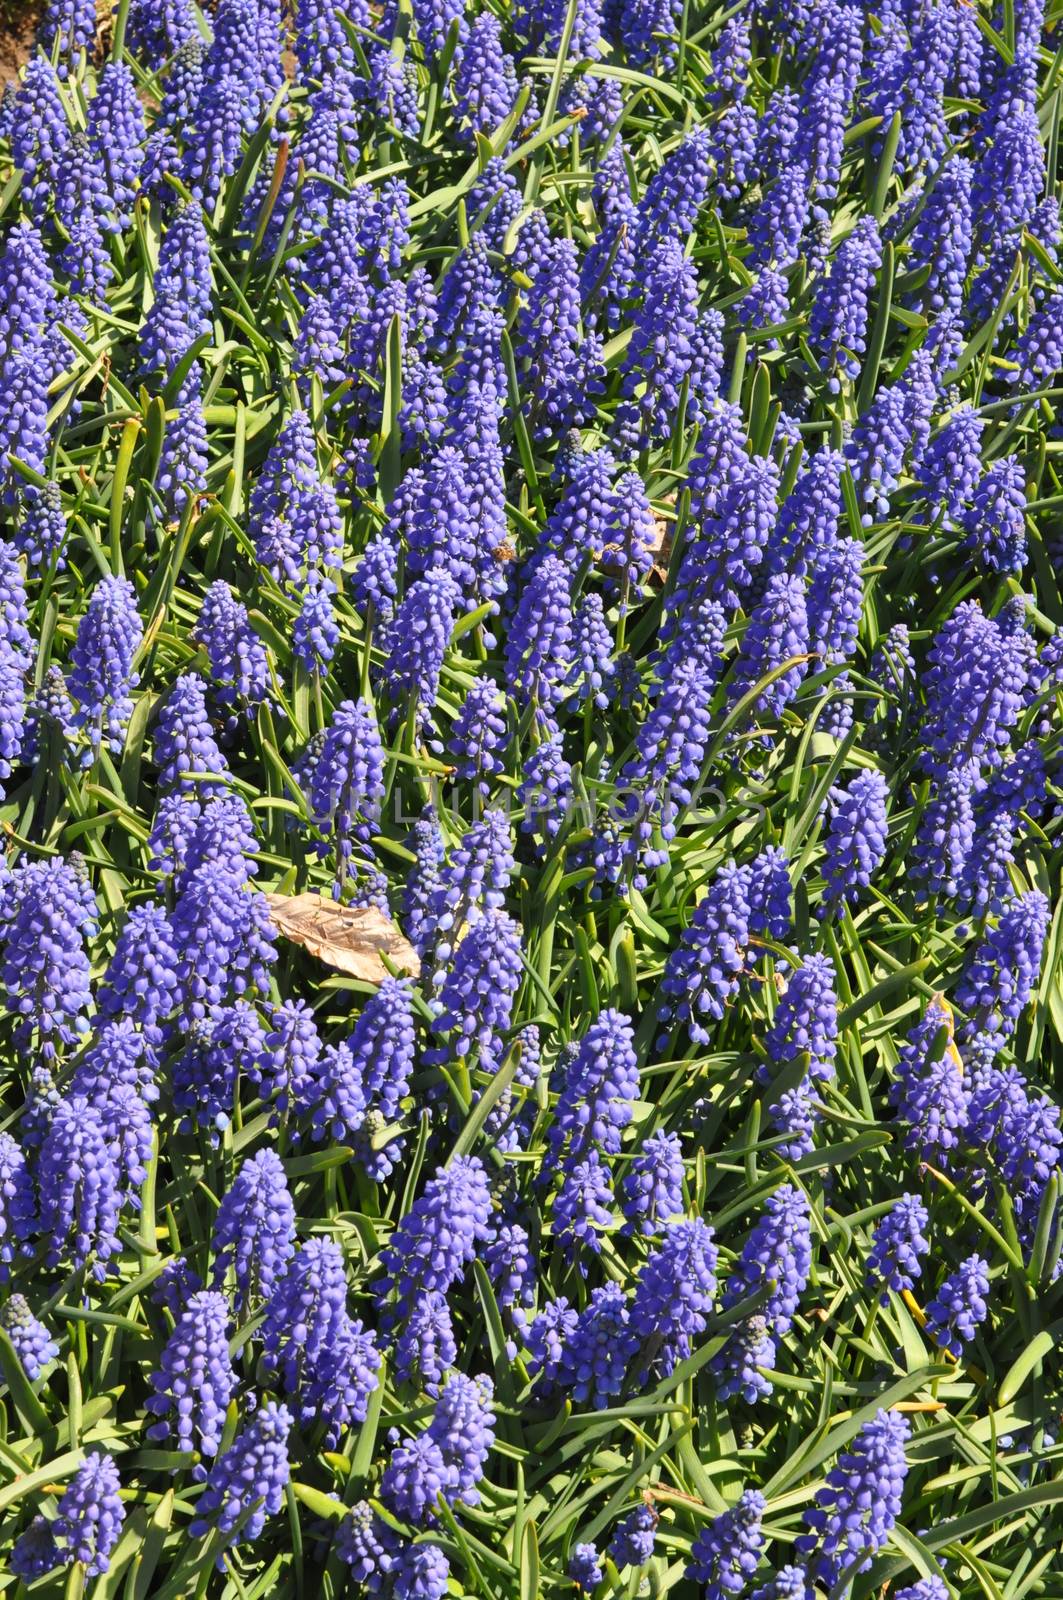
(661, 548)
(350, 938)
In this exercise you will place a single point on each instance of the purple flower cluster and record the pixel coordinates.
(725, 1554)
(860, 1501)
(775, 1257)
(326, 1360)
(250, 1476)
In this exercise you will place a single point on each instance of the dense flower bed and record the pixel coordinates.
(575, 488)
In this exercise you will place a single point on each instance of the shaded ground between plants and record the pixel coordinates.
(18, 23)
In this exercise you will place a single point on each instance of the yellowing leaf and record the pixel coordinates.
(353, 939)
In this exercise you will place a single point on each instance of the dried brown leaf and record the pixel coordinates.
(661, 548)
(350, 938)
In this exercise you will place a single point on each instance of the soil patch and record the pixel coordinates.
(18, 25)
